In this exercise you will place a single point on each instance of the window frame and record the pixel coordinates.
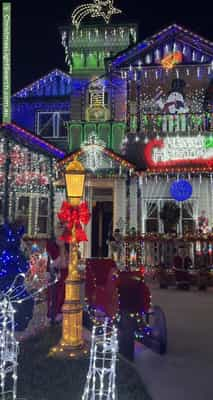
(55, 120)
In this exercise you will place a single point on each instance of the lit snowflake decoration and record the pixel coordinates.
(99, 8)
(93, 152)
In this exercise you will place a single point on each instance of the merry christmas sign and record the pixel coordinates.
(180, 151)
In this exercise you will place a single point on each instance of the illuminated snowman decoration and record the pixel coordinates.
(175, 102)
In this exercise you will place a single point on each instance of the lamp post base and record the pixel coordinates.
(66, 351)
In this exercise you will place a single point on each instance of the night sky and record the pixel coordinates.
(36, 41)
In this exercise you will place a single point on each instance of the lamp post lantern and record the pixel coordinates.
(72, 343)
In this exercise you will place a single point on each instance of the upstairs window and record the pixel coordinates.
(51, 124)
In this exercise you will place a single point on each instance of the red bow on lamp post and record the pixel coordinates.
(73, 217)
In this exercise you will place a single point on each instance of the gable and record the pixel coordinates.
(55, 84)
(173, 39)
(100, 160)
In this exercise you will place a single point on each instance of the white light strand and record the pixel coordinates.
(8, 347)
(93, 151)
(100, 382)
(99, 8)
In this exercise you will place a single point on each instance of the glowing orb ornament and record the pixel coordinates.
(99, 8)
(181, 190)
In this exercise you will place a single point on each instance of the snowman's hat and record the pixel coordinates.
(178, 85)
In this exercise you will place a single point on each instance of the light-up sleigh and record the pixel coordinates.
(124, 297)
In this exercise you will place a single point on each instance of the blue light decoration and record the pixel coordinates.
(12, 263)
(181, 190)
(57, 82)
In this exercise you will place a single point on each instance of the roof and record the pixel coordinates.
(33, 87)
(174, 30)
(111, 154)
(31, 140)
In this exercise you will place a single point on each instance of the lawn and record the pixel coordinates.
(41, 377)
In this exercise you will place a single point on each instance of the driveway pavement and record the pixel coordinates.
(186, 372)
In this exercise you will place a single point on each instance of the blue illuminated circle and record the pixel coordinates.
(181, 190)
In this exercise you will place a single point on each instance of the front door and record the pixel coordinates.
(102, 217)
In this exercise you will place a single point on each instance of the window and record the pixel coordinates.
(188, 223)
(152, 220)
(154, 224)
(42, 226)
(33, 212)
(51, 124)
(22, 213)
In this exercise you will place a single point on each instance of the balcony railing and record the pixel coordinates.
(174, 123)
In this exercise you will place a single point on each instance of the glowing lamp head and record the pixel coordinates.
(75, 177)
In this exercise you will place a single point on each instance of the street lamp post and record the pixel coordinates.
(72, 333)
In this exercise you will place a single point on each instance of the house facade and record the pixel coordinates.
(139, 117)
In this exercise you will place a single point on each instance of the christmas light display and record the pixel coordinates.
(34, 140)
(55, 76)
(119, 160)
(157, 54)
(179, 151)
(100, 383)
(99, 8)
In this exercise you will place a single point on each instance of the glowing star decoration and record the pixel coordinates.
(100, 383)
(99, 8)
(169, 61)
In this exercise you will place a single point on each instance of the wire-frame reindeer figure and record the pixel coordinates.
(9, 346)
(100, 382)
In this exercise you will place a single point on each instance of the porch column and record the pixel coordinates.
(133, 204)
(139, 206)
(119, 204)
(87, 252)
(59, 197)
